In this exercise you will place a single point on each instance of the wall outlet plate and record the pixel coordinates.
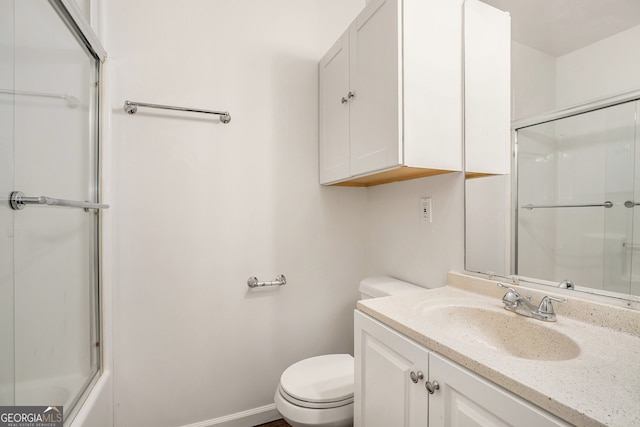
(426, 214)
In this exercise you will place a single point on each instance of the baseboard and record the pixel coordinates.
(252, 417)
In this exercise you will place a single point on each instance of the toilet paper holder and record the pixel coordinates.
(253, 282)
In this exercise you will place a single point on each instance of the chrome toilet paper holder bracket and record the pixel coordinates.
(253, 282)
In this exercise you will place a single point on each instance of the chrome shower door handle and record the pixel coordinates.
(17, 201)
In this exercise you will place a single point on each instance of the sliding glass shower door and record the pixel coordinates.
(577, 197)
(49, 270)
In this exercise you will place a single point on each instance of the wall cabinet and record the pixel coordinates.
(487, 89)
(391, 94)
(391, 377)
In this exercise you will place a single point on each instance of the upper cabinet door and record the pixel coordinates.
(375, 86)
(404, 95)
(487, 76)
(334, 112)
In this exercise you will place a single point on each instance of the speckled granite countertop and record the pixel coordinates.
(598, 385)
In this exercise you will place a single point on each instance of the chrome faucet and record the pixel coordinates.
(513, 301)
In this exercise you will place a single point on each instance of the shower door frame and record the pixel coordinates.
(75, 21)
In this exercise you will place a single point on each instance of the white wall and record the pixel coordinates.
(601, 69)
(401, 245)
(542, 83)
(533, 81)
(200, 206)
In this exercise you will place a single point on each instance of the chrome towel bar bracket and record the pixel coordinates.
(17, 201)
(252, 282)
(131, 107)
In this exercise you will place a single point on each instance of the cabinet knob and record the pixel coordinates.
(432, 386)
(343, 100)
(416, 376)
(351, 95)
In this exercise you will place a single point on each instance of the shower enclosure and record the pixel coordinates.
(578, 197)
(49, 255)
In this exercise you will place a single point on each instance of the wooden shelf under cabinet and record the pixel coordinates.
(402, 173)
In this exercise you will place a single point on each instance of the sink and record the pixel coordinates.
(503, 332)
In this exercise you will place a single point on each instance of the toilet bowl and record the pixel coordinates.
(318, 391)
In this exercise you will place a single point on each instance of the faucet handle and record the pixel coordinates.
(509, 288)
(546, 307)
(510, 299)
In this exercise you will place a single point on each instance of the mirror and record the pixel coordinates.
(565, 54)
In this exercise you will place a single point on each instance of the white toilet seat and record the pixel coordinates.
(313, 405)
(321, 381)
(298, 416)
(317, 392)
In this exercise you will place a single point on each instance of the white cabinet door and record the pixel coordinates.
(466, 400)
(334, 112)
(487, 76)
(385, 394)
(359, 96)
(405, 86)
(375, 80)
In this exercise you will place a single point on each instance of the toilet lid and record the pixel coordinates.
(320, 379)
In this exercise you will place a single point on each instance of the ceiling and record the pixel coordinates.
(557, 27)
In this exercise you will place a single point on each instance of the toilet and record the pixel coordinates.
(318, 391)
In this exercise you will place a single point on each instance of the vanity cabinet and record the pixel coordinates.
(385, 362)
(389, 390)
(391, 94)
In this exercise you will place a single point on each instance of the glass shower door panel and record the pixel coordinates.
(633, 247)
(53, 247)
(536, 231)
(6, 214)
(618, 133)
(580, 160)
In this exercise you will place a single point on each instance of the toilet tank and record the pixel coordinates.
(382, 286)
